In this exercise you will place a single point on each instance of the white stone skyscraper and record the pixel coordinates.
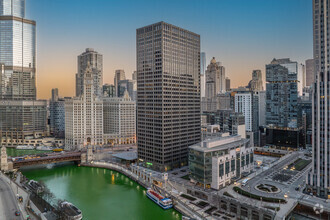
(84, 116)
(168, 100)
(215, 79)
(95, 61)
(319, 178)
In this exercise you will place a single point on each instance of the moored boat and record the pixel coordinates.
(44, 148)
(70, 211)
(57, 149)
(24, 147)
(165, 203)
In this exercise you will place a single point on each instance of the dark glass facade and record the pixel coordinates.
(168, 95)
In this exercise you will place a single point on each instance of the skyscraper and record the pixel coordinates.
(203, 68)
(108, 90)
(310, 71)
(84, 115)
(215, 79)
(57, 114)
(95, 62)
(256, 83)
(119, 75)
(21, 115)
(227, 84)
(134, 76)
(281, 93)
(301, 77)
(129, 86)
(319, 178)
(17, 52)
(168, 85)
(243, 104)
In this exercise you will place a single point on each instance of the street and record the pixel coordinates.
(8, 202)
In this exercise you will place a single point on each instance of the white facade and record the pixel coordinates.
(301, 77)
(119, 115)
(243, 103)
(215, 79)
(214, 162)
(227, 166)
(84, 117)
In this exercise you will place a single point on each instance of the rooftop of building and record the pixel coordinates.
(282, 61)
(130, 155)
(219, 143)
(125, 98)
(162, 22)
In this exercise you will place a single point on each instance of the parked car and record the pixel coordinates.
(17, 213)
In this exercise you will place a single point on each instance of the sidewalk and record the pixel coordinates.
(18, 191)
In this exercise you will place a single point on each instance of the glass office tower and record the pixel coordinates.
(17, 52)
(21, 115)
(168, 102)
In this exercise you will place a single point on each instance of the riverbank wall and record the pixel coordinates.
(119, 169)
(146, 182)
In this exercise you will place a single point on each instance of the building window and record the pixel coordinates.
(221, 172)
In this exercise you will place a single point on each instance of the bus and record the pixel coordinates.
(244, 182)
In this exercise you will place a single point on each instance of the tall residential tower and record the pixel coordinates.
(281, 93)
(94, 60)
(168, 102)
(319, 178)
(215, 79)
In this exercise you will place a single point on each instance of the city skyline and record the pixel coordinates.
(156, 125)
(219, 23)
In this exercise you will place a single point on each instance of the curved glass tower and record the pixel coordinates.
(17, 52)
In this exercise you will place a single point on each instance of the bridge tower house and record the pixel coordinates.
(90, 155)
(4, 159)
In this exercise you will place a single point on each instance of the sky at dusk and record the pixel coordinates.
(243, 35)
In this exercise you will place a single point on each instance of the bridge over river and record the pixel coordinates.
(10, 163)
(49, 158)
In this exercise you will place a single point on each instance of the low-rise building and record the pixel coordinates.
(215, 162)
(20, 119)
(35, 142)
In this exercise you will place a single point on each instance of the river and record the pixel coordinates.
(100, 193)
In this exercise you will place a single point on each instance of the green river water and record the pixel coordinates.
(99, 193)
